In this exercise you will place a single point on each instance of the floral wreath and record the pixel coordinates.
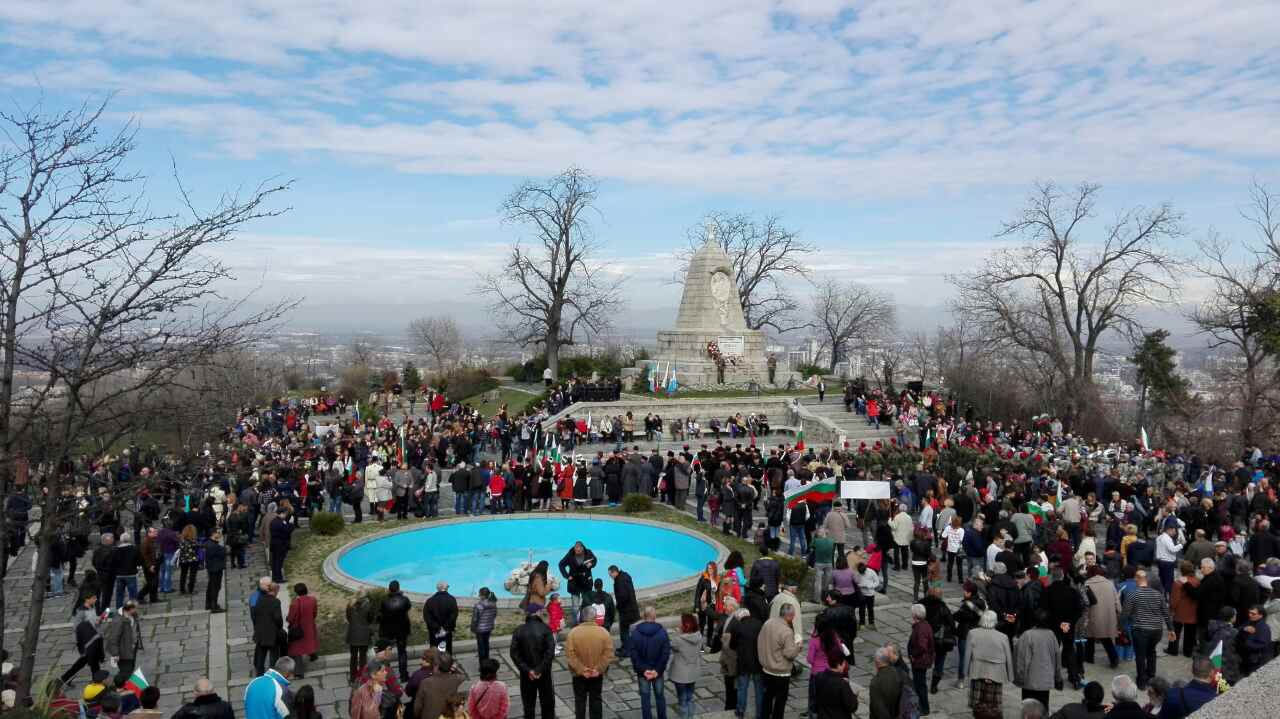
(713, 351)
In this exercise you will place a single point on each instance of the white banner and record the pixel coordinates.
(864, 490)
(324, 430)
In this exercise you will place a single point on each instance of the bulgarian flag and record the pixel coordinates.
(1036, 511)
(815, 492)
(800, 440)
(1216, 657)
(137, 682)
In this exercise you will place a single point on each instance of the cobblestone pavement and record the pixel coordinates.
(183, 642)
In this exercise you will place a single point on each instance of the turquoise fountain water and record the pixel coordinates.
(482, 553)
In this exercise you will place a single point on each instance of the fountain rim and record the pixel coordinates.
(335, 575)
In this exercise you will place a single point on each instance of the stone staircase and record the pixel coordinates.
(853, 425)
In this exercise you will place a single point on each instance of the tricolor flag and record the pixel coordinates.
(1036, 511)
(815, 492)
(1146, 446)
(137, 682)
(1216, 657)
(800, 440)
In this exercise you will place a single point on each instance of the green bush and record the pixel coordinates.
(794, 571)
(633, 503)
(463, 383)
(808, 370)
(327, 523)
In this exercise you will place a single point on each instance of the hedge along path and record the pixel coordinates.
(306, 561)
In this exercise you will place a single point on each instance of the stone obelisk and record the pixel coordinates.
(711, 312)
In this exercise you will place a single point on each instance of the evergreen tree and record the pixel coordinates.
(1161, 390)
(410, 378)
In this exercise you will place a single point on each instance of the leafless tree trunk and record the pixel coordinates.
(765, 255)
(1057, 295)
(847, 312)
(551, 293)
(109, 302)
(439, 339)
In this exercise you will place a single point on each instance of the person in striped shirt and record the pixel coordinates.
(1146, 607)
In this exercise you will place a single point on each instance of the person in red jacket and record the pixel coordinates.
(302, 625)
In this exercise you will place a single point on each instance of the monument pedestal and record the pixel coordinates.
(685, 351)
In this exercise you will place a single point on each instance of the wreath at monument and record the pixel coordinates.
(713, 351)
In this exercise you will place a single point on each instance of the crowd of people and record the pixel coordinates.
(1092, 545)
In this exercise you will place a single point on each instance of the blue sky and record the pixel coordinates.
(894, 135)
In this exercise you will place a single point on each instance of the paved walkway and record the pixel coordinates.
(182, 642)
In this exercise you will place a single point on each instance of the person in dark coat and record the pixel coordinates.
(1210, 596)
(624, 598)
(832, 694)
(744, 635)
(533, 651)
(1062, 601)
(206, 704)
(360, 614)
(440, 612)
(576, 566)
(88, 639)
(393, 625)
(281, 532)
(268, 630)
(755, 601)
(215, 563)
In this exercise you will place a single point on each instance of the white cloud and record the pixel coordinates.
(883, 97)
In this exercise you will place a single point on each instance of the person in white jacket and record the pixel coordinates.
(377, 488)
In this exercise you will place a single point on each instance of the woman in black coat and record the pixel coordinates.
(360, 617)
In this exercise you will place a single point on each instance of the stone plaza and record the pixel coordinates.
(182, 642)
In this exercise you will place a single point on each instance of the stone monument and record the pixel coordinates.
(710, 345)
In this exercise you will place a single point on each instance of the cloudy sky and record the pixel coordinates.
(895, 135)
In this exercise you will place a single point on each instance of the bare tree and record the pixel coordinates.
(439, 339)
(1226, 316)
(363, 350)
(846, 313)
(920, 354)
(764, 254)
(550, 293)
(108, 302)
(1057, 295)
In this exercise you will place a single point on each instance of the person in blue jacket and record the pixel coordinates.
(1184, 701)
(650, 652)
(267, 697)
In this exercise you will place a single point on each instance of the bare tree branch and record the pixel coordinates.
(764, 255)
(1057, 295)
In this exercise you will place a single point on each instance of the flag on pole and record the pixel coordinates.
(1216, 657)
(800, 440)
(666, 373)
(653, 377)
(1036, 511)
(136, 683)
(672, 385)
(357, 411)
(1061, 495)
(1208, 484)
(815, 492)
(1146, 446)
(401, 457)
